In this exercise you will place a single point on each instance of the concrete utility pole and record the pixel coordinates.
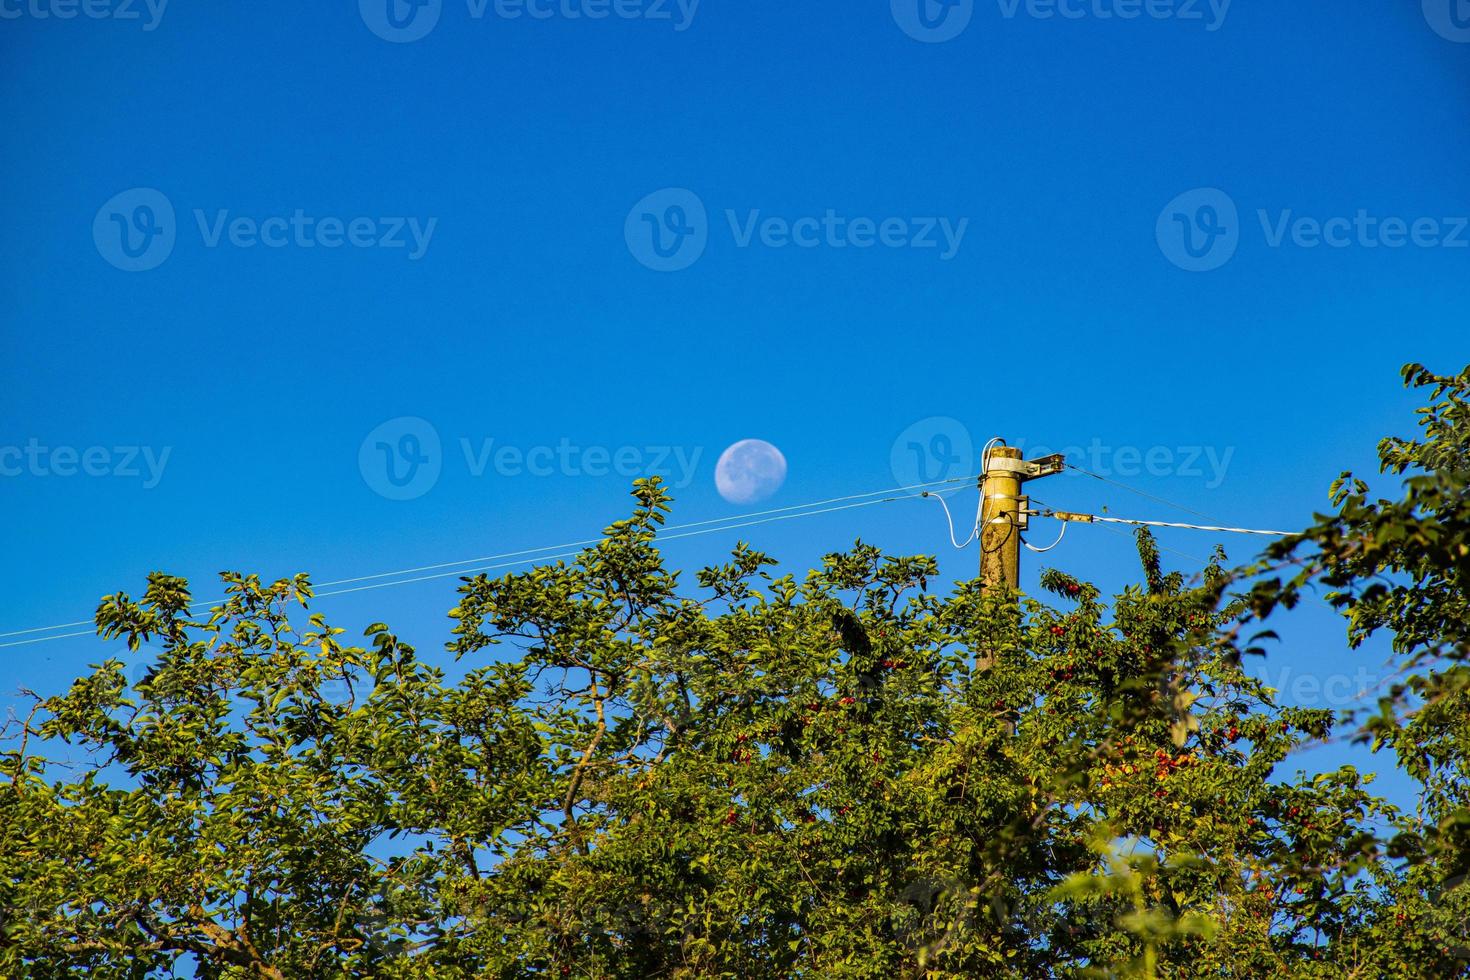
(1003, 512)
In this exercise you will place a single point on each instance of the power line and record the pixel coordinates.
(573, 554)
(1124, 486)
(1124, 534)
(1095, 519)
(539, 554)
(44, 639)
(1162, 547)
(714, 525)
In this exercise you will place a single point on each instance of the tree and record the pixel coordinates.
(1402, 567)
(843, 775)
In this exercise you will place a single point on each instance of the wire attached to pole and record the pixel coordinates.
(980, 505)
(959, 546)
(510, 559)
(1042, 551)
(1069, 517)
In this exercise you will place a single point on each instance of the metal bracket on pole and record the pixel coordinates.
(1047, 465)
(1006, 512)
(1029, 469)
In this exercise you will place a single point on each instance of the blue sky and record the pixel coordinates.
(441, 221)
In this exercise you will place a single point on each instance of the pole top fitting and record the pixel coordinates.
(1023, 469)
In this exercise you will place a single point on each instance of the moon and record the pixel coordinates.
(749, 471)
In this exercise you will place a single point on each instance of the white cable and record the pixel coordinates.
(663, 533)
(539, 554)
(985, 455)
(950, 521)
(980, 504)
(54, 636)
(532, 551)
(1194, 527)
(1042, 551)
(1067, 517)
(573, 554)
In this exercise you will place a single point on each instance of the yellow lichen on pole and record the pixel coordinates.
(1000, 533)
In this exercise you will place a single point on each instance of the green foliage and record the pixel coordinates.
(1401, 567)
(844, 775)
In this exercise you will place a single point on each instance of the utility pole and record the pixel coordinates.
(1004, 511)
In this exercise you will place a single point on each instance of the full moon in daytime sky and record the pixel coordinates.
(749, 471)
